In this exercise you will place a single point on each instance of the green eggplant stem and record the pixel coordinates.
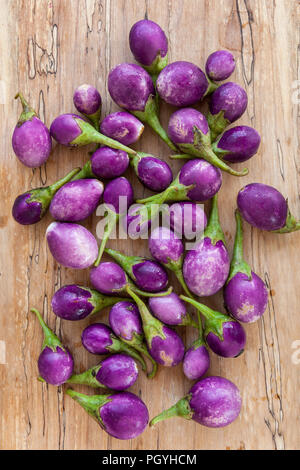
(91, 403)
(58, 184)
(119, 346)
(214, 230)
(181, 409)
(291, 225)
(238, 265)
(28, 112)
(50, 339)
(112, 219)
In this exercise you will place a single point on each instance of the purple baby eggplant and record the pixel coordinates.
(167, 248)
(131, 87)
(187, 219)
(74, 302)
(196, 360)
(225, 336)
(149, 45)
(117, 197)
(31, 139)
(238, 144)
(228, 103)
(183, 84)
(220, 65)
(206, 266)
(265, 208)
(98, 338)
(189, 130)
(214, 402)
(171, 310)
(105, 163)
(87, 100)
(76, 200)
(125, 321)
(245, 294)
(147, 274)
(74, 131)
(55, 362)
(30, 207)
(154, 173)
(123, 127)
(123, 415)
(71, 245)
(117, 372)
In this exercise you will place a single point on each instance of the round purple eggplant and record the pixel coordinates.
(98, 338)
(149, 45)
(171, 310)
(225, 336)
(214, 402)
(117, 197)
(123, 127)
(74, 131)
(238, 144)
(187, 219)
(245, 294)
(189, 130)
(167, 248)
(71, 245)
(31, 206)
(76, 200)
(125, 321)
(74, 302)
(206, 266)
(264, 207)
(220, 65)
(131, 87)
(154, 173)
(123, 415)
(183, 84)
(105, 163)
(228, 103)
(87, 100)
(55, 362)
(31, 139)
(117, 372)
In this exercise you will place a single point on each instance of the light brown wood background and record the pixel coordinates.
(47, 49)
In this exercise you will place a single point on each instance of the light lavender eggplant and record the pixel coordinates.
(171, 310)
(87, 100)
(123, 127)
(187, 219)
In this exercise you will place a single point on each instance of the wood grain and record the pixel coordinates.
(47, 49)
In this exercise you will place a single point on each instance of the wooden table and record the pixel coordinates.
(47, 49)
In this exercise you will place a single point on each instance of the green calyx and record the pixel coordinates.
(89, 135)
(91, 403)
(176, 268)
(50, 339)
(85, 172)
(94, 118)
(175, 192)
(119, 346)
(181, 409)
(100, 301)
(150, 116)
(291, 225)
(217, 124)
(212, 86)
(137, 343)
(214, 230)
(238, 264)
(28, 113)
(87, 378)
(111, 221)
(126, 262)
(157, 66)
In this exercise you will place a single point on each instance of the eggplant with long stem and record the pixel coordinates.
(87, 100)
(171, 310)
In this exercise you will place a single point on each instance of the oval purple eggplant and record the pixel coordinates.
(196, 362)
(125, 320)
(220, 65)
(123, 127)
(87, 99)
(206, 178)
(231, 99)
(187, 218)
(233, 342)
(238, 144)
(167, 351)
(109, 163)
(182, 123)
(118, 372)
(154, 173)
(169, 309)
(148, 42)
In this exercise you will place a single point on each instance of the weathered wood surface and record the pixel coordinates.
(47, 49)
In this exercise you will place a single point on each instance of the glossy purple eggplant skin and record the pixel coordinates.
(220, 65)
(123, 127)
(154, 173)
(181, 84)
(196, 362)
(118, 372)
(130, 86)
(181, 125)
(125, 416)
(230, 98)
(150, 276)
(87, 99)
(164, 245)
(76, 200)
(147, 40)
(125, 320)
(72, 245)
(206, 177)
(64, 129)
(262, 206)
(70, 302)
(246, 299)
(116, 189)
(32, 143)
(206, 267)
(241, 143)
(55, 367)
(96, 338)
(109, 163)
(108, 277)
(131, 222)
(25, 212)
(187, 218)
(215, 402)
(233, 343)
(169, 309)
(168, 351)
